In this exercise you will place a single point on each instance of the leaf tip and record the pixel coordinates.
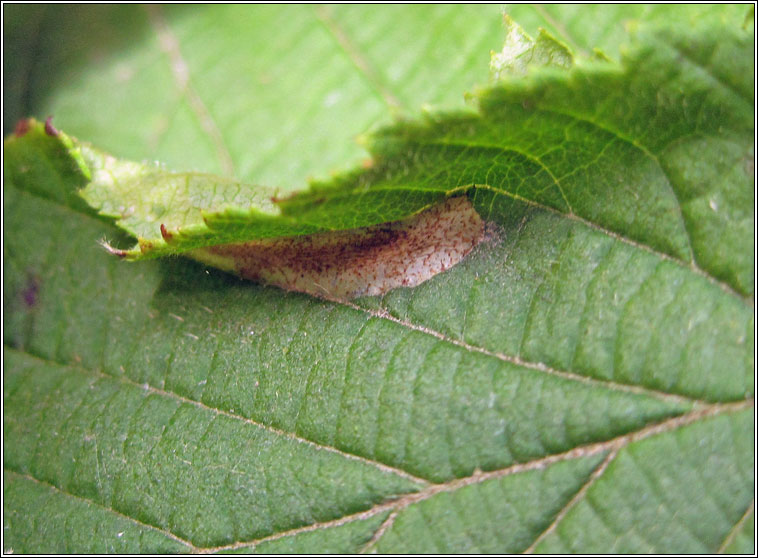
(50, 130)
(167, 236)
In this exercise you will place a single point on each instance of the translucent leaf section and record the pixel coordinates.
(520, 52)
(247, 67)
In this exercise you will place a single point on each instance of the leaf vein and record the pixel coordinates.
(180, 398)
(736, 529)
(346, 381)
(350, 49)
(508, 149)
(180, 70)
(704, 69)
(537, 366)
(88, 501)
(613, 446)
(383, 528)
(579, 496)
(637, 145)
(383, 389)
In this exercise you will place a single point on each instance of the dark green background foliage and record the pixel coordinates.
(582, 382)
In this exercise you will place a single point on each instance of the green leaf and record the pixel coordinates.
(582, 381)
(605, 145)
(657, 469)
(82, 526)
(742, 538)
(610, 146)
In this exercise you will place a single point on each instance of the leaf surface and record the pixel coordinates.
(562, 389)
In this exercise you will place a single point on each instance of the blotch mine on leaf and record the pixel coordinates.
(358, 262)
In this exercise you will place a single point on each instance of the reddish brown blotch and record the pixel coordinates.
(358, 262)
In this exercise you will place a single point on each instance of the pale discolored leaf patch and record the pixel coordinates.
(358, 262)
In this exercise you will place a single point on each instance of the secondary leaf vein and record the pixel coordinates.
(169, 534)
(371, 75)
(180, 69)
(175, 396)
(637, 145)
(737, 527)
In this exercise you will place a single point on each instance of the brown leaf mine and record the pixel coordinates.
(358, 262)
